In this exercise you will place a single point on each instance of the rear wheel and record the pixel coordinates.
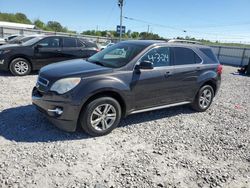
(101, 116)
(20, 67)
(203, 99)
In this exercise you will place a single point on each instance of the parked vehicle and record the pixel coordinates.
(33, 54)
(6, 39)
(106, 45)
(148, 75)
(2, 41)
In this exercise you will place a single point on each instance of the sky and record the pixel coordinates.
(223, 20)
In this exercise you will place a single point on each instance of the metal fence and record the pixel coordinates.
(7, 31)
(234, 56)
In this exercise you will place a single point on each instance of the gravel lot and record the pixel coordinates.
(173, 147)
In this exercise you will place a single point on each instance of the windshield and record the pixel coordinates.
(117, 55)
(25, 39)
(15, 40)
(32, 41)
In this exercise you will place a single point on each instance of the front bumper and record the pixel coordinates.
(66, 121)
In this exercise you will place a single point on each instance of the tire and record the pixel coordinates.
(93, 119)
(203, 99)
(20, 67)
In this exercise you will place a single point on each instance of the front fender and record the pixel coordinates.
(92, 86)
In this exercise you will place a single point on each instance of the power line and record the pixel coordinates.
(180, 29)
(150, 23)
(221, 25)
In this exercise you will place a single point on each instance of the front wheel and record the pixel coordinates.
(20, 67)
(203, 99)
(100, 116)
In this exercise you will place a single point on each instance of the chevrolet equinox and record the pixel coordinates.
(127, 78)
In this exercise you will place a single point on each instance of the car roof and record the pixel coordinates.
(144, 42)
(164, 42)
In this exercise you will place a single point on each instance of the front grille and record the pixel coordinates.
(43, 81)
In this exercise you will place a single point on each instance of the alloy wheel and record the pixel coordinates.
(21, 67)
(103, 117)
(205, 98)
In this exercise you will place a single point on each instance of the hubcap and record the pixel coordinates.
(205, 98)
(103, 117)
(21, 67)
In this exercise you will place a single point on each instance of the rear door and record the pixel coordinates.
(86, 48)
(70, 49)
(187, 66)
(47, 51)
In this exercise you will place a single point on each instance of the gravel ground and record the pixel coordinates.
(173, 147)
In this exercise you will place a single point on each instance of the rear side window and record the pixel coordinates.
(208, 52)
(69, 42)
(91, 44)
(80, 43)
(185, 56)
(50, 42)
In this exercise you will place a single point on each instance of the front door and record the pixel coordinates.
(47, 51)
(151, 87)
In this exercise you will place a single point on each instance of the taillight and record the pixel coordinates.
(219, 69)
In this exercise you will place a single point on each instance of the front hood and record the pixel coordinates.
(71, 68)
(9, 46)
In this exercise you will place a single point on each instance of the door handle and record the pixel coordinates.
(57, 50)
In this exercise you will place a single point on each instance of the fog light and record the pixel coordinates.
(1, 62)
(57, 111)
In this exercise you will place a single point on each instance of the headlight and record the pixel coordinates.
(64, 85)
(4, 51)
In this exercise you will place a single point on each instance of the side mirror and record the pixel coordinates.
(146, 65)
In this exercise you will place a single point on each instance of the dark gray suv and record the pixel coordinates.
(126, 78)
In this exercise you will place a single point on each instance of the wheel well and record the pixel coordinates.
(20, 56)
(112, 94)
(212, 84)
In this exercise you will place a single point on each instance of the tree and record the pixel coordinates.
(39, 24)
(21, 18)
(55, 26)
(18, 18)
(135, 35)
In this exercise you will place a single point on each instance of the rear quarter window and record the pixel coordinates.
(209, 53)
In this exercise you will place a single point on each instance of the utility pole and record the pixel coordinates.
(120, 4)
(148, 29)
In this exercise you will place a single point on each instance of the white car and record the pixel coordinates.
(107, 44)
(8, 38)
(2, 41)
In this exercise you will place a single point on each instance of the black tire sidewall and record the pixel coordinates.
(86, 115)
(12, 69)
(197, 101)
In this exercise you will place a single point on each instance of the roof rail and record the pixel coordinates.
(183, 41)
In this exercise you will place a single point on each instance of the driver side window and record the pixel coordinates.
(51, 42)
(158, 56)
